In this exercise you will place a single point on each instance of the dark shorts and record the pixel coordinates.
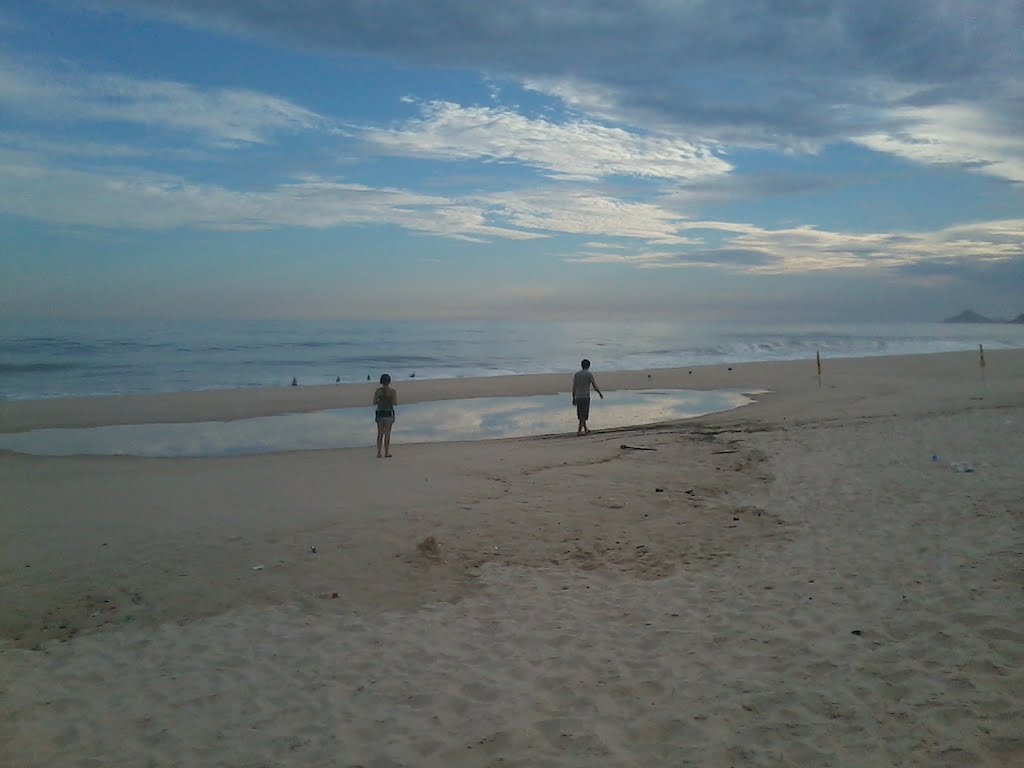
(583, 408)
(384, 417)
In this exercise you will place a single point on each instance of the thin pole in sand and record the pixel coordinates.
(817, 354)
(981, 362)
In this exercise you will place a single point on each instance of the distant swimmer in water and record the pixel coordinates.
(384, 401)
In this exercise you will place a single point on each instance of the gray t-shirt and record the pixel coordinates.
(581, 383)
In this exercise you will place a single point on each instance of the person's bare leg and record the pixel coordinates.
(387, 441)
(380, 438)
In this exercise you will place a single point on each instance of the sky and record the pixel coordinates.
(751, 160)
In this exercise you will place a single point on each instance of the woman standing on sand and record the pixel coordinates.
(384, 400)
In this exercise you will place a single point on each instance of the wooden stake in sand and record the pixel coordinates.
(817, 354)
(981, 362)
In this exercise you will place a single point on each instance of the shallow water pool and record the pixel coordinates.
(481, 418)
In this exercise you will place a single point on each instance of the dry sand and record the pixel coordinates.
(794, 583)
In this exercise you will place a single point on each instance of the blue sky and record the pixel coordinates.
(751, 159)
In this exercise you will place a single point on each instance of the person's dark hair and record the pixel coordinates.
(385, 379)
(584, 363)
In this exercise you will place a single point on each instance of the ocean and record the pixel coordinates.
(46, 359)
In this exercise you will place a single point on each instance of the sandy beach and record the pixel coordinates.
(831, 576)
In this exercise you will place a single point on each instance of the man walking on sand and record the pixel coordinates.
(582, 381)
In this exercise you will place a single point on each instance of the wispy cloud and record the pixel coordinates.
(221, 116)
(801, 250)
(587, 213)
(577, 149)
(148, 200)
(43, 147)
(966, 135)
(640, 234)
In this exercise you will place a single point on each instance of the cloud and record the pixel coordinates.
(222, 116)
(141, 199)
(149, 200)
(971, 136)
(648, 235)
(52, 148)
(784, 74)
(578, 149)
(999, 276)
(585, 212)
(596, 38)
(808, 249)
(801, 250)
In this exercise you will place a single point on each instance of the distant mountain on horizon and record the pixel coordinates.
(970, 316)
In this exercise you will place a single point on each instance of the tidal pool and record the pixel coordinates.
(480, 418)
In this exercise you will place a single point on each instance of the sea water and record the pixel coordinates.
(43, 359)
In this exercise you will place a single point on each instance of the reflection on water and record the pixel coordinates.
(481, 418)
